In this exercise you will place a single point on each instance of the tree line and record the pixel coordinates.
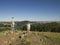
(41, 27)
(46, 27)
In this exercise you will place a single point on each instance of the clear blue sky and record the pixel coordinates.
(32, 10)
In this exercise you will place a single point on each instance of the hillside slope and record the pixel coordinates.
(32, 38)
(41, 38)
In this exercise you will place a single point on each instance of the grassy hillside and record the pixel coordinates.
(32, 38)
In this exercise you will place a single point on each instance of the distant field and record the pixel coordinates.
(32, 38)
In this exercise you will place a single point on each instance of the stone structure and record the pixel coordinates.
(12, 23)
(28, 27)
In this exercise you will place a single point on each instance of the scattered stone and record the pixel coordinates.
(6, 41)
(9, 42)
(41, 40)
(12, 38)
(17, 33)
(12, 32)
(19, 36)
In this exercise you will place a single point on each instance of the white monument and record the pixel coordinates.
(28, 27)
(12, 23)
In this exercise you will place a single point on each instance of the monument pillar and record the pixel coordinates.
(12, 23)
(28, 27)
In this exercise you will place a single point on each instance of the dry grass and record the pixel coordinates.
(33, 38)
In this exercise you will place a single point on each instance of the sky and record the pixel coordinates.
(32, 10)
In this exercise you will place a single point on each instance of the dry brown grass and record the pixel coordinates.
(33, 38)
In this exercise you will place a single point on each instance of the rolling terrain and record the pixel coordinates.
(32, 38)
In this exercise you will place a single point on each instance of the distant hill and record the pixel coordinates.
(8, 22)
